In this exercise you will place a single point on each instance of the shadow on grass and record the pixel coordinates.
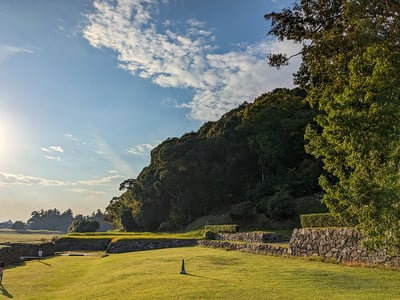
(5, 292)
(47, 264)
(193, 275)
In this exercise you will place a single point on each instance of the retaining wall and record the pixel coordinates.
(342, 244)
(258, 248)
(11, 253)
(131, 245)
(250, 237)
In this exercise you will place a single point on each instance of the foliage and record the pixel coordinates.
(321, 220)
(54, 220)
(237, 162)
(229, 228)
(18, 225)
(215, 274)
(209, 235)
(351, 58)
(50, 219)
(84, 225)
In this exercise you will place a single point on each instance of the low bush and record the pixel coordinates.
(228, 228)
(209, 235)
(320, 220)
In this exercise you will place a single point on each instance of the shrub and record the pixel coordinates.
(209, 235)
(320, 220)
(18, 225)
(228, 228)
(84, 225)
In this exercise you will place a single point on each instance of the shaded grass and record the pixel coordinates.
(212, 274)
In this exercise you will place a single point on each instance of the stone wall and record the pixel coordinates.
(258, 248)
(11, 253)
(91, 244)
(131, 245)
(250, 237)
(341, 244)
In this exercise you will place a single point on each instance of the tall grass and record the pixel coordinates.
(212, 274)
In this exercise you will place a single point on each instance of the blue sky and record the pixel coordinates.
(88, 88)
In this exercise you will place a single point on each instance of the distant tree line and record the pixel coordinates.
(54, 220)
(251, 161)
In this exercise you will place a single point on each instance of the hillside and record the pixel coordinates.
(250, 162)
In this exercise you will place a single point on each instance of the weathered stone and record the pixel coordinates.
(343, 244)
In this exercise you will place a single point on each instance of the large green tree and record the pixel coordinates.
(351, 58)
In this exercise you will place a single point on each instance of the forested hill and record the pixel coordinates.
(251, 161)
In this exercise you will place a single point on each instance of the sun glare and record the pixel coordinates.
(8, 136)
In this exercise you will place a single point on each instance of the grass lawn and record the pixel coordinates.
(115, 235)
(212, 274)
(27, 236)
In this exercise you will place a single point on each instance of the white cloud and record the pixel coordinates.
(185, 59)
(57, 148)
(56, 158)
(71, 137)
(6, 178)
(52, 149)
(11, 179)
(9, 50)
(103, 181)
(85, 191)
(141, 149)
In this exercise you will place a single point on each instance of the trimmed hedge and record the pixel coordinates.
(320, 220)
(228, 228)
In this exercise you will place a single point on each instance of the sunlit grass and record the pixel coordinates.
(212, 274)
(115, 235)
(29, 236)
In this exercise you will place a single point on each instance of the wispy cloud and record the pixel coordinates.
(102, 181)
(18, 179)
(56, 158)
(103, 149)
(142, 149)
(9, 50)
(53, 149)
(172, 57)
(71, 137)
(6, 178)
(85, 191)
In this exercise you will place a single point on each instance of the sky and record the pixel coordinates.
(89, 87)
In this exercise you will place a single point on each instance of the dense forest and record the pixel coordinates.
(250, 162)
(340, 125)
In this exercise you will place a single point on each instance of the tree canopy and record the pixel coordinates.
(53, 219)
(252, 160)
(351, 58)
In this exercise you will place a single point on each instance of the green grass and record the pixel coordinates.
(212, 274)
(28, 236)
(115, 235)
(34, 237)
